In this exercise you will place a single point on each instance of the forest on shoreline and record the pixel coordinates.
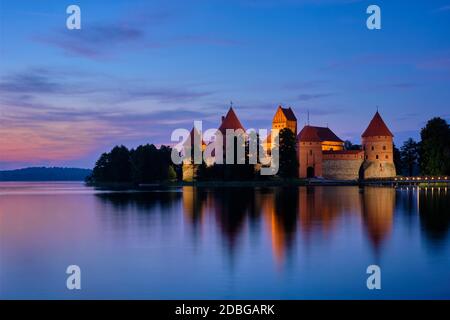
(149, 164)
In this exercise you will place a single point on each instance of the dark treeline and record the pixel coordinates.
(288, 166)
(45, 174)
(430, 156)
(145, 164)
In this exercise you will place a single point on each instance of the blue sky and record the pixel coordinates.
(139, 69)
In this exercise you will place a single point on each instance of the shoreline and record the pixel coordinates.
(256, 184)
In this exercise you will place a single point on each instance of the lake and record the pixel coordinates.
(224, 243)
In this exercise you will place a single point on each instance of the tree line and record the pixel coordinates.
(147, 163)
(430, 156)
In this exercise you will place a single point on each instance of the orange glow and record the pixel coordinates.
(50, 141)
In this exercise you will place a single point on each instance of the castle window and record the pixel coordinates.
(373, 148)
(384, 147)
(376, 157)
(310, 152)
(387, 157)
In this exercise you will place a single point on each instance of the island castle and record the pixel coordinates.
(321, 153)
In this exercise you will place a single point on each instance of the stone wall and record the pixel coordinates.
(339, 169)
(378, 169)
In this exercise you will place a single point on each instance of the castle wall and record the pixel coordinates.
(342, 165)
(378, 169)
(310, 156)
(341, 169)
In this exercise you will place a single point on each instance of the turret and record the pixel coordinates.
(378, 146)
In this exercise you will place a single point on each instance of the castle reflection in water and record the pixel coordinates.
(290, 217)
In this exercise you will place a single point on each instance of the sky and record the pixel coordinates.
(137, 70)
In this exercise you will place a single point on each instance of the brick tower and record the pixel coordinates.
(377, 141)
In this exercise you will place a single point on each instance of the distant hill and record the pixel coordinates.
(45, 174)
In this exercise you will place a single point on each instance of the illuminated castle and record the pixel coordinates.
(321, 153)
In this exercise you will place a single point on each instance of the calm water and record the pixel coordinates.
(277, 243)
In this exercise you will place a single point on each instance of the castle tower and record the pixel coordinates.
(190, 169)
(230, 121)
(377, 141)
(312, 142)
(283, 118)
(310, 153)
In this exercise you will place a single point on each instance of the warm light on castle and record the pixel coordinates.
(320, 152)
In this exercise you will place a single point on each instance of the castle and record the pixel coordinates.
(321, 153)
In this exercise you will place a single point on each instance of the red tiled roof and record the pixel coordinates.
(317, 134)
(377, 127)
(288, 113)
(230, 121)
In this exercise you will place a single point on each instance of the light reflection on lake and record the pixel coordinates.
(274, 243)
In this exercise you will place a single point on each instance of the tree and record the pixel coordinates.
(144, 164)
(113, 166)
(120, 164)
(142, 161)
(101, 169)
(435, 147)
(409, 154)
(288, 166)
(171, 173)
(348, 145)
(397, 159)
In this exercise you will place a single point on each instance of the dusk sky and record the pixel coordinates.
(139, 69)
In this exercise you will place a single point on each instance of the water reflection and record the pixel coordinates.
(434, 213)
(224, 242)
(312, 213)
(377, 212)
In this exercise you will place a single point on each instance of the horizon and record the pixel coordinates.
(137, 70)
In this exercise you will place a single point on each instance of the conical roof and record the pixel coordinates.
(230, 121)
(377, 127)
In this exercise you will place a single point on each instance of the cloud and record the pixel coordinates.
(203, 40)
(161, 94)
(34, 81)
(47, 115)
(312, 96)
(277, 3)
(439, 63)
(304, 84)
(399, 85)
(96, 42)
(443, 8)
(136, 31)
(22, 86)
